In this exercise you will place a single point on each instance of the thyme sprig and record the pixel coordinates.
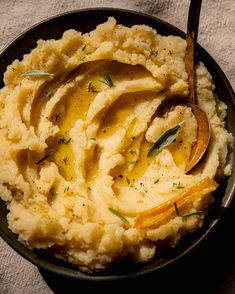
(84, 47)
(153, 53)
(44, 158)
(64, 141)
(107, 78)
(119, 215)
(178, 185)
(65, 160)
(187, 214)
(190, 213)
(92, 88)
(66, 189)
(176, 209)
(50, 94)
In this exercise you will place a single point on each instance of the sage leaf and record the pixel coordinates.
(165, 140)
(37, 72)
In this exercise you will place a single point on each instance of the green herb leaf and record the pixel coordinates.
(119, 215)
(178, 186)
(176, 209)
(66, 189)
(92, 88)
(53, 192)
(132, 152)
(84, 47)
(156, 181)
(56, 117)
(107, 79)
(128, 180)
(37, 72)
(65, 160)
(50, 94)
(165, 140)
(187, 214)
(40, 161)
(154, 53)
(64, 141)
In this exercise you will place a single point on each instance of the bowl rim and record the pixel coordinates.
(80, 275)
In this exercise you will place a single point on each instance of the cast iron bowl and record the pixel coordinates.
(86, 20)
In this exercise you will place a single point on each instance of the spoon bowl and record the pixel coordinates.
(203, 126)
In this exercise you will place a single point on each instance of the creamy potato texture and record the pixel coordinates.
(73, 144)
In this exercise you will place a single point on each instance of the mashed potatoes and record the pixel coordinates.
(76, 124)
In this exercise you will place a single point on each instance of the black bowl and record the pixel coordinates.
(86, 20)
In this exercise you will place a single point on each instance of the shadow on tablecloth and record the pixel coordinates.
(211, 270)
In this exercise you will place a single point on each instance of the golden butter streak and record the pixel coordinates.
(155, 215)
(76, 107)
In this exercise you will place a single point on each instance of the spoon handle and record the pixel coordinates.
(191, 40)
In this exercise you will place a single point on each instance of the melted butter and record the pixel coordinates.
(93, 169)
(64, 158)
(121, 71)
(180, 151)
(135, 165)
(75, 106)
(115, 118)
(135, 149)
(120, 111)
(142, 163)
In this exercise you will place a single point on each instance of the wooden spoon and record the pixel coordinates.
(203, 126)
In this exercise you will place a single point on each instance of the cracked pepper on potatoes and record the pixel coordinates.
(74, 139)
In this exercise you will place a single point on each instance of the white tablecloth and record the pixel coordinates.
(216, 35)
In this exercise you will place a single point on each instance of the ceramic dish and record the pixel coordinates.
(84, 21)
